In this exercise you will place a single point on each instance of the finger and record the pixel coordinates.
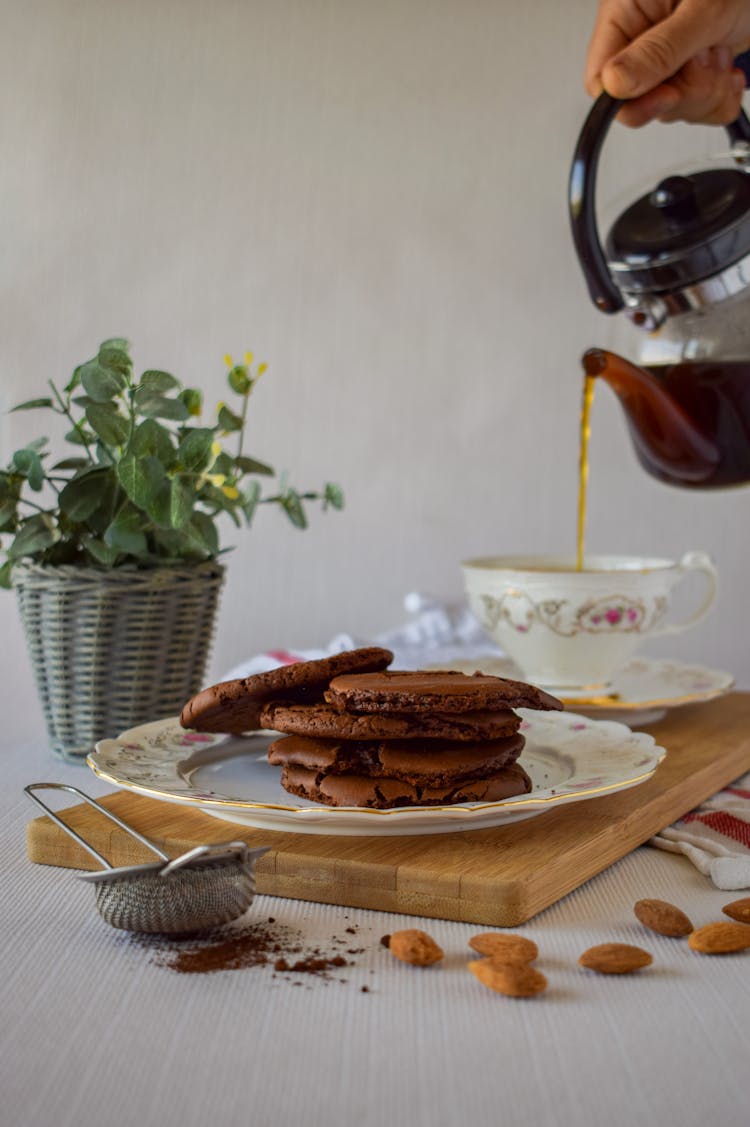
(659, 53)
(707, 89)
(652, 106)
(613, 30)
(720, 106)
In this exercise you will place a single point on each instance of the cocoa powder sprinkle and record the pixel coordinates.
(240, 948)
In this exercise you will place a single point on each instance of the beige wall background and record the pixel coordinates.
(371, 197)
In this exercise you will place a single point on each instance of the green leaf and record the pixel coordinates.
(158, 382)
(224, 464)
(79, 436)
(239, 380)
(147, 486)
(86, 494)
(119, 343)
(101, 383)
(30, 403)
(28, 463)
(101, 552)
(71, 464)
(8, 512)
(193, 400)
(74, 380)
(181, 501)
(125, 534)
(36, 534)
(156, 406)
(112, 427)
(252, 465)
(194, 452)
(115, 358)
(130, 519)
(202, 531)
(104, 455)
(151, 437)
(5, 575)
(294, 509)
(250, 499)
(333, 496)
(228, 420)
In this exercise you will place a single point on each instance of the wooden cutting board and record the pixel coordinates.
(500, 877)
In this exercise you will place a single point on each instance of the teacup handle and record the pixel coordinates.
(694, 561)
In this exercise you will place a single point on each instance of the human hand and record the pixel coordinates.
(672, 60)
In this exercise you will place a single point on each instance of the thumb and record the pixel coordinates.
(658, 53)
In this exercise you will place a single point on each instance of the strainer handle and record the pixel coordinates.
(29, 790)
(216, 851)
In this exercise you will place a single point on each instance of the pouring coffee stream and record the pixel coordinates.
(677, 261)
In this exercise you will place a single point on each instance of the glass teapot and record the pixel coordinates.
(677, 261)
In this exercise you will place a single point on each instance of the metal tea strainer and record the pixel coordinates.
(208, 886)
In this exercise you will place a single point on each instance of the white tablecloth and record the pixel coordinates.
(95, 1033)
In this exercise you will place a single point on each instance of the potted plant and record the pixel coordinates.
(114, 551)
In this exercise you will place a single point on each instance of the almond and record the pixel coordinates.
(415, 947)
(720, 938)
(508, 948)
(615, 958)
(516, 980)
(662, 917)
(738, 910)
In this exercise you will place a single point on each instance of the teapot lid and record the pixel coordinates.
(687, 229)
(685, 245)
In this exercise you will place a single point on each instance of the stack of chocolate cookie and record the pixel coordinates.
(359, 734)
(388, 739)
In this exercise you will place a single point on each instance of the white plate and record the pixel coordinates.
(569, 758)
(641, 692)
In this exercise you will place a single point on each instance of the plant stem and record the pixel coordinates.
(76, 426)
(243, 416)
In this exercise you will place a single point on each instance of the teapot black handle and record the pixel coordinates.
(582, 198)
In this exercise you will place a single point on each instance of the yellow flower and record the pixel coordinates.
(230, 491)
(216, 449)
(248, 358)
(216, 479)
(262, 368)
(228, 361)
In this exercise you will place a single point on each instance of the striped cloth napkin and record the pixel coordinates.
(715, 836)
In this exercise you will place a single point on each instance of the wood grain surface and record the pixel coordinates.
(500, 877)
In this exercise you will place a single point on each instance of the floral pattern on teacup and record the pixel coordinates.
(610, 614)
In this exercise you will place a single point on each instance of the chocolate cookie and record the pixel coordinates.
(438, 691)
(323, 720)
(235, 706)
(385, 794)
(430, 763)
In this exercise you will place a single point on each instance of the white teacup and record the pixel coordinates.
(569, 630)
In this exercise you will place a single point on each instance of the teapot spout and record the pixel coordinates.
(668, 440)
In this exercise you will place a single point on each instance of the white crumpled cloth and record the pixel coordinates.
(715, 836)
(434, 632)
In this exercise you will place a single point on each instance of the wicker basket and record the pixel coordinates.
(111, 649)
